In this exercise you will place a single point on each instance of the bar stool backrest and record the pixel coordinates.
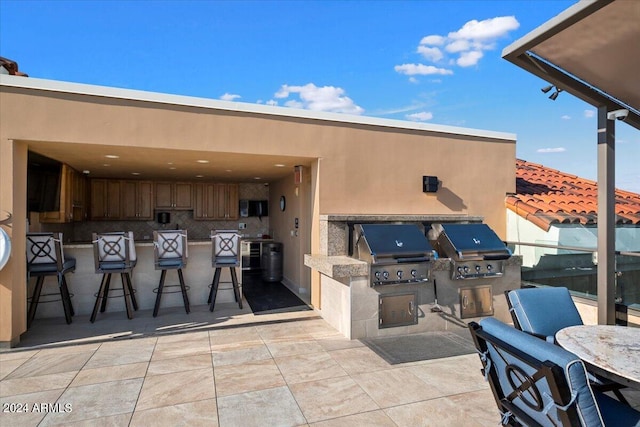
(115, 249)
(226, 244)
(45, 248)
(170, 245)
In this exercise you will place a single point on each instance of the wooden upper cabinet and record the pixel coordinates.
(174, 195)
(226, 206)
(105, 199)
(137, 197)
(204, 201)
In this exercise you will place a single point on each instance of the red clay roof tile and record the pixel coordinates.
(547, 196)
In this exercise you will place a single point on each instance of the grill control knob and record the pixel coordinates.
(466, 269)
(478, 268)
(459, 269)
(399, 274)
(489, 267)
(377, 274)
(414, 273)
(385, 274)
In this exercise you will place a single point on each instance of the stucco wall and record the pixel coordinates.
(364, 168)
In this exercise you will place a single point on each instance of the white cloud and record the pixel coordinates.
(432, 53)
(325, 98)
(566, 117)
(433, 40)
(458, 46)
(421, 69)
(470, 58)
(465, 46)
(551, 150)
(271, 102)
(589, 114)
(488, 29)
(420, 117)
(229, 97)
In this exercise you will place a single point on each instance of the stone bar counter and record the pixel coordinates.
(84, 282)
(351, 305)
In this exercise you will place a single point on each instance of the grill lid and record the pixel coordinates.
(469, 241)
(392, 243)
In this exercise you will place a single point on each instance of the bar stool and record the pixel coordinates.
(170, 253)
(45, 257)
(225, 254)
(114, 253)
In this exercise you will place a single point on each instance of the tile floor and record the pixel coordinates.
(235, 369)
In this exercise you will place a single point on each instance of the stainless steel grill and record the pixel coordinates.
(397, 253)
(475, 250)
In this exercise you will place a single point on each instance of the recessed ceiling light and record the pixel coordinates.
(106, 165)
(135, 173)
(172, 168)
(256, 177)
(279, 165)
(202, 161)
(169, 163)
(228, 170)
(199, 176)
(112, 156)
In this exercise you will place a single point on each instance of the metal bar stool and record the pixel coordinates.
(45, 257)
(225, 254)
(114, 253)
(170, 253)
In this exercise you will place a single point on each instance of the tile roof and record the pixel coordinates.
(547, 196)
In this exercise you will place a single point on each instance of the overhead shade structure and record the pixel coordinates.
(592, 51)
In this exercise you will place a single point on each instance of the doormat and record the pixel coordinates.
(271, 297)
(422, 346)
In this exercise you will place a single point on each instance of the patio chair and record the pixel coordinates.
(170, 253)
(536, 383)
(542, 312)
(114, 253)
(45, 257)
(225, 254)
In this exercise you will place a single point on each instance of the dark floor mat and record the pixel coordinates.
(264, 297)
(423, 346)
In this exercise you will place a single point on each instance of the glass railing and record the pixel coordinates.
(576, 269)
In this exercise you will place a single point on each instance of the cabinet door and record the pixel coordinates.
(145, 200)
(183, 196)
(164, 198)
(65, 210)
(129, 200)
(98, 199)
(199, 210)
(113, 199)
(232, 201)
(220, 204)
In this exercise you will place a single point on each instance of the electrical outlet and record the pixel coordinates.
(242, 225)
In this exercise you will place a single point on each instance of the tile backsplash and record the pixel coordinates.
(143, 230)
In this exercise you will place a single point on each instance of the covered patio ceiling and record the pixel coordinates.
(592, 50)
(124, 162)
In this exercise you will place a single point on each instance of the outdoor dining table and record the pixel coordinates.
(612, 351)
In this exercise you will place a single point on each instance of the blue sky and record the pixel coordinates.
(429, 61)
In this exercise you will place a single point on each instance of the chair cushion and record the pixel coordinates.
(616, 413)
(51, 267)
(544, 311)
(170, 263)
(572, 366)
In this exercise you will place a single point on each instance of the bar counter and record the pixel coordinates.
(84, 282)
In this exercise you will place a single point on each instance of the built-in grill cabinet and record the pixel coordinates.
(397, 310)
(475, 250)
(397, 253)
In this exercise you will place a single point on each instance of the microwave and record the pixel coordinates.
(257, 208)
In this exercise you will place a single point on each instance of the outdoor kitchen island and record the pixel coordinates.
(359, 306)
(84, 282)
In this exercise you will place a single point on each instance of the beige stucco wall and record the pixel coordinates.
(364, 169)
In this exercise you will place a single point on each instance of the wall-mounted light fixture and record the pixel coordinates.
(555, 94)
(429, 184)
(297, 175)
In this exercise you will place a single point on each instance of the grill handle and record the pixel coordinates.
(412, 259)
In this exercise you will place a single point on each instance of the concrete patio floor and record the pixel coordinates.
(230, 368)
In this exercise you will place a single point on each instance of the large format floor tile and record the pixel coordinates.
(393, 387)
(45, 363)
(199, 413)
(271, 407)
(309, 367)
(176, 388)
(250, 376)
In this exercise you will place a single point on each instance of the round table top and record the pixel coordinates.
(612, 348)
